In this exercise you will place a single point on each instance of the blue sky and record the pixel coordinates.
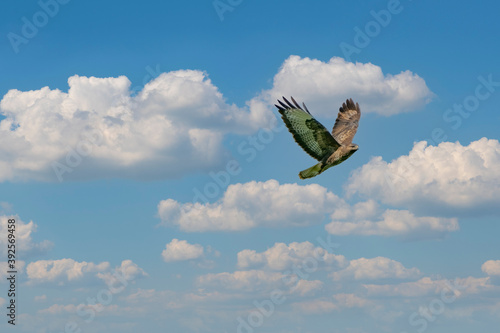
(143, 105)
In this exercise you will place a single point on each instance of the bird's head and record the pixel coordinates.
(353, 147)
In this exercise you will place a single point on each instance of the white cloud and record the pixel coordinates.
(127, 270)
(281, 256)
(306, 287)
(491, 267)
(242, 284)
(40, 298)
(323, 86)
(245, 206)
(401, 223)
(173, 126)
(23, 232)
(178, 250)
(62, 270)
(252, 280)
(447, 178)
(375, 268)
(67, 270)
(176, 123)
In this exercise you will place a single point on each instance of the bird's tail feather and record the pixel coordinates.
(311, 172)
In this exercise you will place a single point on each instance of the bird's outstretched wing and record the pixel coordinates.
(313, 137)
(347, 122)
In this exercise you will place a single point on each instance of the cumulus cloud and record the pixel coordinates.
(174, 125)
(252, 280)
(246, 206)
(401, 223)
(375, 268)
(178, 250)
(23, 235)
(281, 256)
(67, 270)
(127, 270)
(306, 287)
(445, 179)
(62, 270)
(258, 281)
(491, 267)
(325, 85)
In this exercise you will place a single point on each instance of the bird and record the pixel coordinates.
(316, 140)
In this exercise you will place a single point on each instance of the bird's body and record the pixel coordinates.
(316, 140)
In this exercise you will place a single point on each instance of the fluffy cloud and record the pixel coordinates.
(245, 206)
(375, 268)
(323, 86)
(252, 280)
(62, 270)
(173, 126)
(447, 178)
(178, 250)
(23, 232)
(176, 123)
(401, 223)
(281, 256)
(306, 287)
(259, 281)
(127, 270)
(491, 267)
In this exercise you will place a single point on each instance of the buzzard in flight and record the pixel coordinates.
(314, 138)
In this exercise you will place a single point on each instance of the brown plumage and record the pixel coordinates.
(314, 138)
